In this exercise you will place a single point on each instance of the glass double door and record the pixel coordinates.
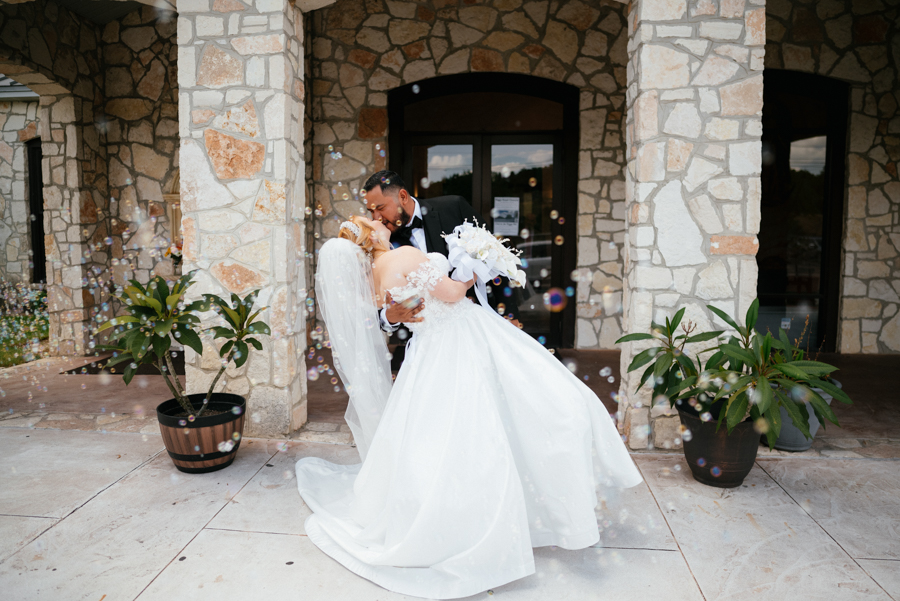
(513, 182)
(804, 134)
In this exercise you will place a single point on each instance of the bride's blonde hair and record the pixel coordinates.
(364, 239)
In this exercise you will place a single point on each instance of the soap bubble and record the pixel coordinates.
(532, 182)
(555, 300)
(225, 446)
(701, 462)
(312, 374)
(236, 410)
(425, 183)
(554, 214)
(605, 371)
(716, 471)
(415, 88)
(559, 240)
(525, 233)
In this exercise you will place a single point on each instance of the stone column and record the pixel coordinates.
(693, 188)
(240, 75)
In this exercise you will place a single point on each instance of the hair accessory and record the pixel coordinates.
(349, 225)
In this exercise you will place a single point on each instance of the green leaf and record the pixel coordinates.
(129, 373)
(737, 353)
(676, 321)
(791, 371)
(814, 368)
(172, 301)
(793, 410)
(687, 366)
(259, 327)
(736, 410)
(831, 389)
(118, 321)
(226, 348)
(703, 337)
(643, 358)
(149, 300)
(140, 346)
(222, 332)
(634, 337)
(161, 290)
(189, 338)
(199, 306)
(663, 363)
(161, 345)
(256, 343)
(822, 407)
(752, 314)
(163, 327)
(723, 316)
(118, 359)
(773, 418)
(785, 341)
(715, 360)
(646, 376)
(244, 352)
(764, 390)
(232, 317)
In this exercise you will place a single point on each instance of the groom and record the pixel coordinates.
(420, 224)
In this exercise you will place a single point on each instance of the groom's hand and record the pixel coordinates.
(405, 312)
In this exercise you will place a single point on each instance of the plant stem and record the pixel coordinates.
(216, 381)
(175, 393)
(174, 375)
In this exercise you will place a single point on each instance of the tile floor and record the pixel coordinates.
(85, 514)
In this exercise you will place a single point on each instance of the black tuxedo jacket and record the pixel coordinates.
(439, 216)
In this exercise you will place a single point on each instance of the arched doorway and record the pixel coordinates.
(508, 143)
(802, 205)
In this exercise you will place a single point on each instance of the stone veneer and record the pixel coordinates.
(859, 43)
(18, 124)
(241, 92)
(55, 53)
(363, 48)
(693, 185)
(108, 131)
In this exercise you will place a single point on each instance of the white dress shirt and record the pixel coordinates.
(418, 240)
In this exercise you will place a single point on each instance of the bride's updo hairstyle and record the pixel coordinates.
(364, 236)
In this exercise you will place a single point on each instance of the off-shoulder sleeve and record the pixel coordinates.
(425, 276)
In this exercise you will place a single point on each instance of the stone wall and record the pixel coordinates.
(859, 43)
(139, 54)
(241, 93)
(18, 124)
(363, 48)
(693, 185)
(55, 53)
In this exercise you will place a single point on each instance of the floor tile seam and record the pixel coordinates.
(251, 531)
(672, 532)
(636, 549)
(826, 458)
(876, 559)
(19, 515)
(28, 542)
(204, 526)
(828, 534)
(114, 482)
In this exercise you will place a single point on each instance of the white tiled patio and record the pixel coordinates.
(91, 515)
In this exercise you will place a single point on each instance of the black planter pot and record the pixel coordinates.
(208, 443)
(717, 458)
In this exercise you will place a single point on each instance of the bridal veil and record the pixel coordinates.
(346, 296)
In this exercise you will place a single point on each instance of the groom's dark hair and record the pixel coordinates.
(390, 182)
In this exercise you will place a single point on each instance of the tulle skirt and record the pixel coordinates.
(488, 447)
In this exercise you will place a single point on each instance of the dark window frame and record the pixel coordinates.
(837, 94)
(565, 158)
(36, 207)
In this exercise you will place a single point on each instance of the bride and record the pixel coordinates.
(485, 446)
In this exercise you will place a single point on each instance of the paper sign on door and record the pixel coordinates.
(506, 215)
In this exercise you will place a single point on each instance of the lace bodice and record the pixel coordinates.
(420, 283)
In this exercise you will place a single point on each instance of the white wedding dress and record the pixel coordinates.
(488, 446)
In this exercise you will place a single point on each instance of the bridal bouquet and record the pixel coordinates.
(474, 250)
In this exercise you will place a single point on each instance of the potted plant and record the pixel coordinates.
(745, 384)
(202, 432)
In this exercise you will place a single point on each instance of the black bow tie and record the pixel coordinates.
(403, 236)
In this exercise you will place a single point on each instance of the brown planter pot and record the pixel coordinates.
(208, 443)
(717, 458)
